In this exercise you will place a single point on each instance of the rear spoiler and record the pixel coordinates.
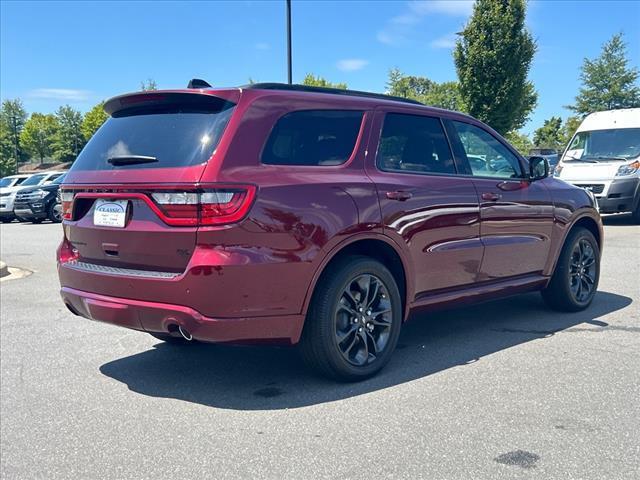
(157, 100)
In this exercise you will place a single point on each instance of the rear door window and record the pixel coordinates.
(175, 136)
(414, 144)
(313, 138)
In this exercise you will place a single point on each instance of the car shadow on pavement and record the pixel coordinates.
(271, 378)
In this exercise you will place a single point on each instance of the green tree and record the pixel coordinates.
(608, 82)
(12, 118)
(7, 160)
(93, 120)
(520, 141)
(69, 139)
(408, 86)
(550, 135)
(493, 58)
(148, 85)
(38, 135)
(311, 80)
(443, 95)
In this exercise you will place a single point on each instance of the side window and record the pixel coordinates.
(414, 144)
(20, 180)
(313, 138)
(487, 157)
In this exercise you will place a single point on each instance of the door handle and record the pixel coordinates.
(490, 196)
(399, 195)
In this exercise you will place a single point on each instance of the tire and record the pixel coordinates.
(165, 337)
(54, 214)
(35, 220)
(369, 336)
(575, 279)
(6, 219)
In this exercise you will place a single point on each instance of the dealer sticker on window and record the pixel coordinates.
(110, 213)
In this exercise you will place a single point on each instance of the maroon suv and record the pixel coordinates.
(318, 217)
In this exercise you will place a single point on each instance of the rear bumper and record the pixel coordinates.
(160, 317)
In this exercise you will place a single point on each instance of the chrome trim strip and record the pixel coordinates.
(130, 272)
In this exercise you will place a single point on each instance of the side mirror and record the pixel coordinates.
(538, 168)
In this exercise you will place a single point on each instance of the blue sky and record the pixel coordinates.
(54, 53)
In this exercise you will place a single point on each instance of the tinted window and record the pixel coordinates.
(176, 137)
(312, 138)
(487, 156)
(411, 143)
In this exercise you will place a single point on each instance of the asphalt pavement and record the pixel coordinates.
(507, 389)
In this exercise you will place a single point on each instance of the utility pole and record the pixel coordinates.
(14, 120)
(289, 73)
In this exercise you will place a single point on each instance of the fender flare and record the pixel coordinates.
(336, 249)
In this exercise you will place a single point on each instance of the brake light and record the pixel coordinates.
(217, 206)
(66, 202)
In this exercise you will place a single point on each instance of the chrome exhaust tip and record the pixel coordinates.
(185, 333)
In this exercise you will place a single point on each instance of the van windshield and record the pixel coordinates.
(172, 137)
(604, 145)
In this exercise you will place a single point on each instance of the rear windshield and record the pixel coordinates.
(175, 137)
(313, 138)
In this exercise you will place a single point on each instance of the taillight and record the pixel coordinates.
(66, 202)
(208, 207)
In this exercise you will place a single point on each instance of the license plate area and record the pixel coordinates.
(110, 213)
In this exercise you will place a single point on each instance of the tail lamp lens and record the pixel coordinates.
(66, 201)
(210, 207)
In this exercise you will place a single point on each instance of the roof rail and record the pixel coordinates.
(335, 91)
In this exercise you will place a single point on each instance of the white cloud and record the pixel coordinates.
(262, 46)
(351, 64)
(446, 7)
(448, 41)
(398, 29)
(66, 94)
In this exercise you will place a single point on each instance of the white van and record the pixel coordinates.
(604, 157)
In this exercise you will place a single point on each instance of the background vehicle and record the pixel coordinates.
(290, 214)
(604, 157)
(6, 211)
(8, 186)
(548, 153)
(39, 203)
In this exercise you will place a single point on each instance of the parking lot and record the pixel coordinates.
(507, 389)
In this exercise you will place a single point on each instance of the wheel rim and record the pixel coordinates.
(582, 271)
(363, 320)
(57, 212)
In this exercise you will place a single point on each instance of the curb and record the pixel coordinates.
(4, 270)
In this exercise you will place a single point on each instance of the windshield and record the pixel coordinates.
(173, 138)
(33, 180)
(603, 145)
(59, 180)
(6, 182)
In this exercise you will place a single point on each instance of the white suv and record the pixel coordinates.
(604, 157)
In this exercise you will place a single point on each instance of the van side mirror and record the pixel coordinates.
(538, 168)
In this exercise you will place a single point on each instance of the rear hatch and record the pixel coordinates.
(132, 199)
